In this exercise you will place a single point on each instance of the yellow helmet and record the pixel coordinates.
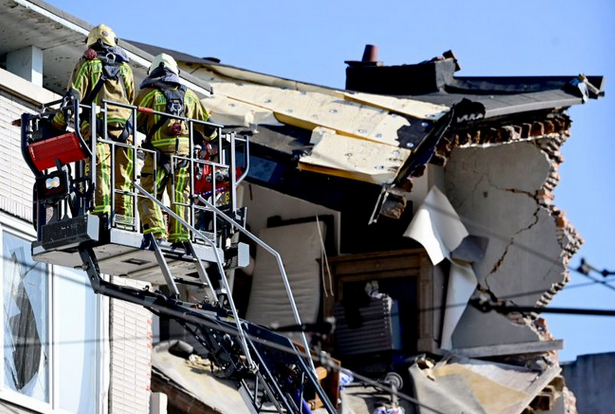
(103, 33)
(165, 60)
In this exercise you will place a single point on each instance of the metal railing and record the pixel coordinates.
(199, 204)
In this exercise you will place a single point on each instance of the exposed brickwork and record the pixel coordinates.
(570, 401)
(131, 354)
(548, 131)
(16, 179)
(555, 124)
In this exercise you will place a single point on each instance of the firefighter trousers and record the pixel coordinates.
(175, 180)
(122, 177)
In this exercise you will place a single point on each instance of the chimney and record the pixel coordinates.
(371, 76)
(370, 54)
(370, 57)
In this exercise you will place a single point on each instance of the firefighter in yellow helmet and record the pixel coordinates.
(103, 73)
(163, 91)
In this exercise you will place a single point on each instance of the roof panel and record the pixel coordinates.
(353, 158)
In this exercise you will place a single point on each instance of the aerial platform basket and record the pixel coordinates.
(63, 199)
(119, 252)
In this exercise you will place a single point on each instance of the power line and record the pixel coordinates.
(572, 311)
(487, 306)
(323, 359)
(25, 342)
(585, 268)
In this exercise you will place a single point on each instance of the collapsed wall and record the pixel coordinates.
(500, 181)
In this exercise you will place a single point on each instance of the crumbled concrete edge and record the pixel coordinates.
(569, 238)
(547, 133)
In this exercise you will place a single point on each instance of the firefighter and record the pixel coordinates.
(103, 73)
(162, 91)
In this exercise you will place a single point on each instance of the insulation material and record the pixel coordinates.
(417, 109)
(353, 158)
(462, 385)
(300, 246)
(309, 110)
(223, 73)
(231, 112)
(438, 228)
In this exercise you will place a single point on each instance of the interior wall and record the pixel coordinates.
(263, 203)
(433, 175)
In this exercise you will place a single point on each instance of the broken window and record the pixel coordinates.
(52, 333)
(26, 337)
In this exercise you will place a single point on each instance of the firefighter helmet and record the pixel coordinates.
(166, 61)
(103, 33)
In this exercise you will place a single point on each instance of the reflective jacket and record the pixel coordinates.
(85, 76)
(162, 138)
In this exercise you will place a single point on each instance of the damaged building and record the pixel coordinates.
(405, 207)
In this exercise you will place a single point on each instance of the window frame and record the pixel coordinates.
(25, 231)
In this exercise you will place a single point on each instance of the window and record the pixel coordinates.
(25, 317)
(52, 333)
(79, 347)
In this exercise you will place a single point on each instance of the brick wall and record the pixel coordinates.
(16, 179)
(131, 355)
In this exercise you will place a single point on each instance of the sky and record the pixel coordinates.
(309, 41)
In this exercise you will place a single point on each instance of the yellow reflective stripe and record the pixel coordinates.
(154, 230)
(179, 232)
(179, 196)
(178, 237)
(104, 171)
(116, 119)
(127, 198)
(147, 99)
(158, 189)
(101, 209)
(77, 83)
(126, 73)
(58, 120)
(168, 141)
